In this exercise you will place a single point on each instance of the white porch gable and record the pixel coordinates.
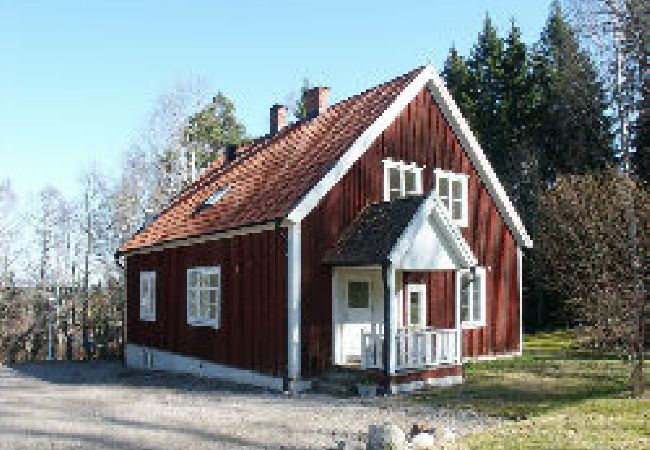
(431, 241)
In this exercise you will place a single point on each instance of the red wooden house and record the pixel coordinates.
(373, 234)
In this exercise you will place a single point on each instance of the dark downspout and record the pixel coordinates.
(387, 326)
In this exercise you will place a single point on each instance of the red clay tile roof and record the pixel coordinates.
(270, 174)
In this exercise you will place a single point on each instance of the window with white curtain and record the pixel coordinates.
(148, 296)
(204, 296)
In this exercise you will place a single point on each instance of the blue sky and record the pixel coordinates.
(77, 79)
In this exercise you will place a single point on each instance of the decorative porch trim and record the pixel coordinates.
(143, 357)
(451, 234)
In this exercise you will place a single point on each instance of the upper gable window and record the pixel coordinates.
(401, 179)
(452, 190)
(216, 196)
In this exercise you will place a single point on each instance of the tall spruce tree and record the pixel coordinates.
(521, 152)
(485, 67)
(457, 78)
(573, 129)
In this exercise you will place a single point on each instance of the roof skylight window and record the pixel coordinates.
(212, 200)
(216, 196)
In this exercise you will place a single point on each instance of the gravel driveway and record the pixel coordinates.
(102, 405)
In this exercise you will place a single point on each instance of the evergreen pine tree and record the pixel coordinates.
(485, 66)
(573, 130)
(213, 128)
(457, 79)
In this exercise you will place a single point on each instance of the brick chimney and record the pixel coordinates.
(316, 101)
(278, 118)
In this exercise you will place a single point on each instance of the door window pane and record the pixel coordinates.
(358, 294)
(414, 308)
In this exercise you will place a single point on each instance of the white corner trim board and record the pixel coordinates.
(359, 147)
(142, 357)
(293, 301)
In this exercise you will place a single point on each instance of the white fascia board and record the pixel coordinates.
(359, 147)
(443, 98)
(452, 235)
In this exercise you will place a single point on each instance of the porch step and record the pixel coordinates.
(338, 381)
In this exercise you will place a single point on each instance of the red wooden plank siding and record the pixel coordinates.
(420, 134)
(253, 320)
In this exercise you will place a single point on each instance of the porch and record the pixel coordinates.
(389, 314)
(421, 339)
(416, 348)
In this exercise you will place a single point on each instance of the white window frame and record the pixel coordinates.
(358, 279)
(148, 302)
(197, 289)
(451, 177)
(422, 289)
(403, 168)
(480, 273)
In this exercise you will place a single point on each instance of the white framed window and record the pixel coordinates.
(472, 297)
(452, 190)
(401, 179)
(204, 296)
(358, 294)
(148, 296)
(416, 305)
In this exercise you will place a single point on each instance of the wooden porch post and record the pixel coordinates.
(390, 321)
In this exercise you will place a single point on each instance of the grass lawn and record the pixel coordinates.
(556, 397)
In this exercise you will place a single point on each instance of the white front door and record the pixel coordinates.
(357, 316)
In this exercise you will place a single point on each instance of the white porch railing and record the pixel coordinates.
(416, 348)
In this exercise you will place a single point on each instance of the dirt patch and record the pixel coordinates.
(102, 405)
